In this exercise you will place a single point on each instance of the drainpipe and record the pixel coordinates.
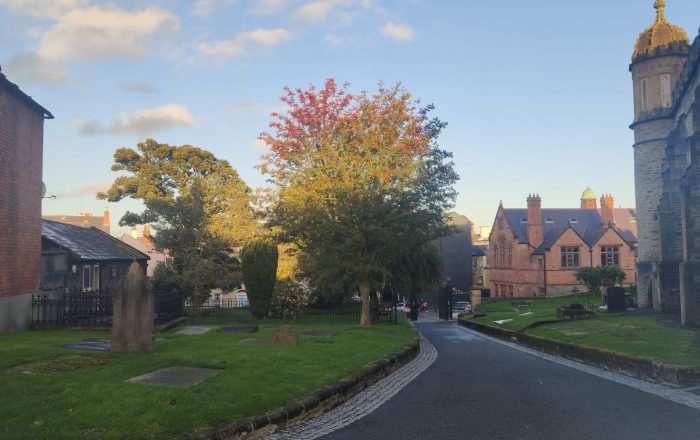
(590, 252)
(544, 271)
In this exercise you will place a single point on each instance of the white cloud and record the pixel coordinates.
(94, 32)
(259, 145)
(236, 47)
(43, 8)
(266, 37)
(316, 11)
(205, 8)
(142, 122)
(264, 7)
(222, 49)
(28, 67)
(398, 32)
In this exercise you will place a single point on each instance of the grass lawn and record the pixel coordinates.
(49, 392)
(526, 311)
(643, 336)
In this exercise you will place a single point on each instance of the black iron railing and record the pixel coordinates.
(75, 309)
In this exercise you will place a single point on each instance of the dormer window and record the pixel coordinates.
(573, 220)
(523, 220)
(549, 220)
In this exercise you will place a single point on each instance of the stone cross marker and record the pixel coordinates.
(132, 321)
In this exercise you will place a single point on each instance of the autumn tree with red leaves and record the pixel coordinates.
(360, 180)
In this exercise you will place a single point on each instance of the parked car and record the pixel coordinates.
(461, 306)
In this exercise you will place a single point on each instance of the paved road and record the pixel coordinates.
(481, 389)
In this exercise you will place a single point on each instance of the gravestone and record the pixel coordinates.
(132, 322)
(616, 299)
(286, 335)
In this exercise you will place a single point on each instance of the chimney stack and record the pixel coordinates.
(134, 233)
(535, 230)
(147, 231)
(607, 206)
(105, 221)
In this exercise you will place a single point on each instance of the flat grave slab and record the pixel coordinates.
(258, 341)
(239, 329)
(320, 333)
(193, 330)
(90, 344)
(181, 377)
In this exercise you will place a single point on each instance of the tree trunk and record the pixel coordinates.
(365, 318)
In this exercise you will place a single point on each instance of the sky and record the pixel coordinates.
(537, 94)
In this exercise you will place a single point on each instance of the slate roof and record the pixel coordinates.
(14, 89)
(89, 243)
(585, 222)
(84, 221)
(479, 250)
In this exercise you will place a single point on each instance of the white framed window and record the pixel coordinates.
(96, 277)
(87, 278)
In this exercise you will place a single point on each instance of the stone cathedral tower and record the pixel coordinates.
(659, 58)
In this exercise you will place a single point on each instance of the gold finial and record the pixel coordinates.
(659, 5)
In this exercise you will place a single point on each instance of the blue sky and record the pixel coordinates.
(537, 93)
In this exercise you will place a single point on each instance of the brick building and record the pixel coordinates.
(666, 88)
(21, 150)
(536, 251)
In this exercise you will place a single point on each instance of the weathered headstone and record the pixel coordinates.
(286, 335)
(132, 321)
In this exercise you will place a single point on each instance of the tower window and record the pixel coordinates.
(645, 95)
(665, 90)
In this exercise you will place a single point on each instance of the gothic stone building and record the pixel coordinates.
(666, 125)
(536, 251)
(21, 150)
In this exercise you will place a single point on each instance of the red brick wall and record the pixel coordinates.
(21, 148)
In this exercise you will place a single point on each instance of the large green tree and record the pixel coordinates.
(361, 181)
(201, 260)
(156, 172)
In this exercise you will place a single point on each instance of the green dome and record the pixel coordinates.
(588, 194)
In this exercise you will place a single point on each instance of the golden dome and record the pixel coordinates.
(661, 33)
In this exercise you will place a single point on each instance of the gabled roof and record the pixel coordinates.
(84, 221)
(89, 243)
(14, 89)
(584, 222)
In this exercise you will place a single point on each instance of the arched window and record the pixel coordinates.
(509, 256)
(495, 256)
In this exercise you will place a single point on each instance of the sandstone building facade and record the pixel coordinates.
(666, 125)
(21, 150)
(536, 251)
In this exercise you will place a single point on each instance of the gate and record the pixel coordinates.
(445, 303)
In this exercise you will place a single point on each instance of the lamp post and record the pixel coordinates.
(575, 292)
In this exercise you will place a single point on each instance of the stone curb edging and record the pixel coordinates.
(318, 402)
(637, 367)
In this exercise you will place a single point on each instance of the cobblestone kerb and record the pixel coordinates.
(319, 402)
(640, 368)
